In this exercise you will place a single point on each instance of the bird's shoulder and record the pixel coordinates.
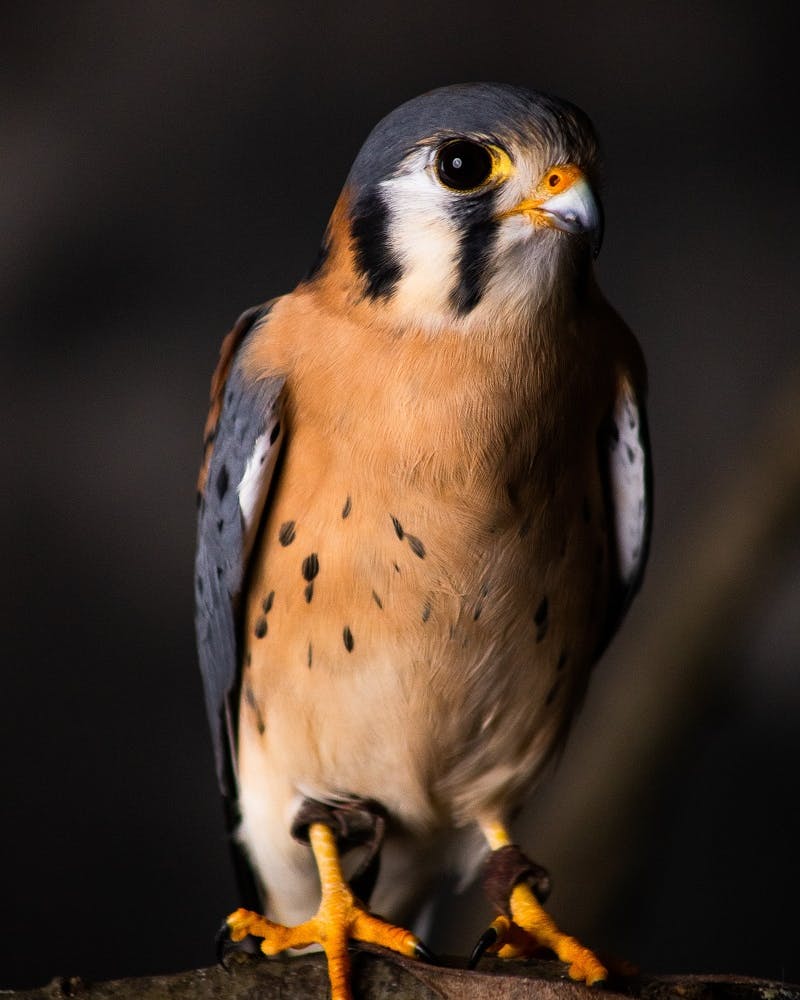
(604, 325)
(229, 349)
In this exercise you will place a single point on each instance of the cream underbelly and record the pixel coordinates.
(424, 661)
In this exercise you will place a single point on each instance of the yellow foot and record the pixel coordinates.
(339, 919)
(528, 914)
(511, 939)
(530, 927)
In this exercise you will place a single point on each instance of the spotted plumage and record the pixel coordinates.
(446, 399)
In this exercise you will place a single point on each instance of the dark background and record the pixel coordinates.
(164, 166)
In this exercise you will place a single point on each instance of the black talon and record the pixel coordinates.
(423, 951)
(485, 942)
(222, 942)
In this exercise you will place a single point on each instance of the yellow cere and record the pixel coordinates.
(558, 179)
(555, 180)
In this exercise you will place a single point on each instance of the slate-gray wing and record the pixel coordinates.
(243, 443)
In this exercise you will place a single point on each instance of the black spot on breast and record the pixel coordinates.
(374, 257)
(266, 604)
(416, 546)
(398, 527)
(260, 628)
(223, 481)
(426, 611)
(250, 698)
(540, 619)
(309, 592)
(396, 567)
(286, 533)
(310, 655)
(220, 525)
(614, 432)
(630, 453)
(347, 637)
(377, 600)
(220, 571)
(347, 508)
(477, 612)
(275, 432)
(310, 567)
(551, 694)
(200, 584)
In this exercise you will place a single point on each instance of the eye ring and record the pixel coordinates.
(464, 165)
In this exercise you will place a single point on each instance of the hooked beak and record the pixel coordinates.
(572, 209)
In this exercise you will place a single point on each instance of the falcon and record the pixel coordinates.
(424, 510)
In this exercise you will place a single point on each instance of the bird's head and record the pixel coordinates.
(472, 204)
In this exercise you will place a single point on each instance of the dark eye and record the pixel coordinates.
(463, 165)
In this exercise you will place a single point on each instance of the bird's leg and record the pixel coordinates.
(523, 926)
(339, 918)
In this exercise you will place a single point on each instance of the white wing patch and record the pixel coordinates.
(252, 489)
(627, 477)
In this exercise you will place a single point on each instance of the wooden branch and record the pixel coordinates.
(378, 975)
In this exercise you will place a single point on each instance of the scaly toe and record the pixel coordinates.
(242, 922)
(527, 912)
(275, 938)
(342, 919)
(584, 965)
(363, 926)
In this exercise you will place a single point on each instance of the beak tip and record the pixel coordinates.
(577, 211)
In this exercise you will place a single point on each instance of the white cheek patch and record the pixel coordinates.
(425, 240)
(628, 481)
(254, 484)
